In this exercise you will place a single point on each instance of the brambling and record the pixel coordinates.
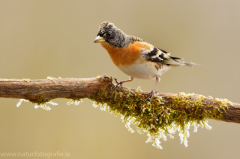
(136, 57)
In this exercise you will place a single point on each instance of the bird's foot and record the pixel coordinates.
(118, 85)
(149, 97)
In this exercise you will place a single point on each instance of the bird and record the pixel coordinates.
(136, 57)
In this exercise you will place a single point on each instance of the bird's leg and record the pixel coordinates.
(119, 84)
(153, 91)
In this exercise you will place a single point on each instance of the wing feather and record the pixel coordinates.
(163, 57)
(158, 55)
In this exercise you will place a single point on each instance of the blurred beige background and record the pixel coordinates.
(40, 38)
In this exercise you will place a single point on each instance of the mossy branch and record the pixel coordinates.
(166, 114)
(44, 90)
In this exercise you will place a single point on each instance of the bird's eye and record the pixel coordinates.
(109, 33)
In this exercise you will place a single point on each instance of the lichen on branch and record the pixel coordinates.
(159, 117)
(166, 114)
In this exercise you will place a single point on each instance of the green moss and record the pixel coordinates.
(39, 99)
(27, 95)
(75, 101)
(159, 116)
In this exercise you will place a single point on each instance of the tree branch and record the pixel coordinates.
(73, 88)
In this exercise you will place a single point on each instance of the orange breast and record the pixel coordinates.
(124, 56)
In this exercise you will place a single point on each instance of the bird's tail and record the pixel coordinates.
(190, 64)
(179, 62)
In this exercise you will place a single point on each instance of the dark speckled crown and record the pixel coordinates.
(113, 35)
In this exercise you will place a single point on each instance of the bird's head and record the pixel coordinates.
(109, 33)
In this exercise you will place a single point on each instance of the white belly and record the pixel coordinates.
(142, 70)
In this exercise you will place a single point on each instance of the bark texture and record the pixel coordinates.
(75, 88)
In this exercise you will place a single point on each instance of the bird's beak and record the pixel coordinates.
(99, 39)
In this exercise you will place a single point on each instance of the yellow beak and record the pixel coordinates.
(99, 39)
